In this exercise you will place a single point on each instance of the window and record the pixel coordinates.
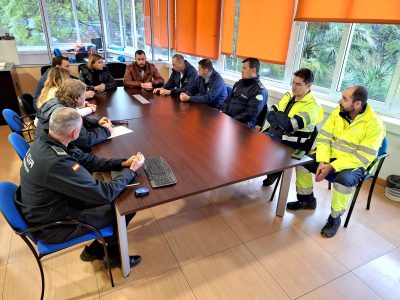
(113, 24)
(21, 18)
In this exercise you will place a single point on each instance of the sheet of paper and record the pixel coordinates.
(119, 130)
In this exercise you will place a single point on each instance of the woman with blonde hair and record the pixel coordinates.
(54, 79)
(71, 93)
(96, 76)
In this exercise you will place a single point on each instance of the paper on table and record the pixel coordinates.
(119, 130)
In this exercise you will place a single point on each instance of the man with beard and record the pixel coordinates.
(347, 143)
(141, 73)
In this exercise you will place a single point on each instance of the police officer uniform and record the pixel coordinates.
(246, 100)
(56, 184)
(182, 82)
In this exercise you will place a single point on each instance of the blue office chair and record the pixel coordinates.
(229, 89)
(72, 60)
(14, 218)
(57, 52)
(17, 123)
(20, 145)
(378, 162)
(121, 58)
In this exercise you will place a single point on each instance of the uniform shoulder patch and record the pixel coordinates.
(59, 151)
(259, 97)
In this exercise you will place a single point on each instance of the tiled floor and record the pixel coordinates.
(224, 244)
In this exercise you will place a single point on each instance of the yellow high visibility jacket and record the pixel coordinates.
(304, 115)
(354, 144)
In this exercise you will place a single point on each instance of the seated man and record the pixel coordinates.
(57, 62)
(248, 96)
(210, 88)
(182, 79)
(347, 143)
(142, 73)
(293, 120)
(56, 184)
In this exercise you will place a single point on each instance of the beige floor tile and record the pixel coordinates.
(198, 233)
(142, 218)
(251, 219)
(232, 274)
(18, 249)
(180, 206)
(66, 277)
(383, 275)
(5, 233)
(157, 258)
(167, 286)
(2, 277)
(353, 246)
(295, 261)
(346, 287)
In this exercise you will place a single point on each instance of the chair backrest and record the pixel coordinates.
(116, 69)
(8, 208)
(383, 148)
(229, 89)
(80, 67)
(57, 52)
(121, 58)
(80, 57)
(20, 145)
(13, 120)
(27, 103)
(44, 69)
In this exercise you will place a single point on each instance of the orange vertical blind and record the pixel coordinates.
(160, 22)
(228, 26)
(349, 11)
(264, 29)
(198, 27)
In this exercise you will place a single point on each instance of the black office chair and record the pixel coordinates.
(44, 69)
(117, 71)
(27, 103)
(80, 57)
(80, 67)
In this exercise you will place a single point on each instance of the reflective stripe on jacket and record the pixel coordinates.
(354, 144)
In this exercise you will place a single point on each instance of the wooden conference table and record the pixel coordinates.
(205, 148)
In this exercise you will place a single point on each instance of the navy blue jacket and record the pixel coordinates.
(188, 80)
(246, 101)
(212, 93)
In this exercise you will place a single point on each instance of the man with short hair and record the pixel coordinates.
(56, 62)
(56, 184)
(141, 73)
(182, 79)
(210, 88)
(248, 96)
(293, 121)
(346, 144)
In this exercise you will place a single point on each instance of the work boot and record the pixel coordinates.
(331, 227)
(297, 205)
(92, 252)
(271, 178)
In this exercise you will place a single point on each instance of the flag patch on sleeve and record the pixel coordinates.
(75, 167)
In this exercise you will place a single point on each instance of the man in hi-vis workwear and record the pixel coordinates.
(346, 144)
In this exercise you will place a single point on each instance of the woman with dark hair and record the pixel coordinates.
(71, 93)
(96, 76)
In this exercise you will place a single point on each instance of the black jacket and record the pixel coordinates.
(178, 85)
(105, 77)
(56, 182)
(246, 101)
(212, 93)
(90, 135)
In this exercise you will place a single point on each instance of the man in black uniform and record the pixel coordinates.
(56, 184)
(249, 95)
(182, 79)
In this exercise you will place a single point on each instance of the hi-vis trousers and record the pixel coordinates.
(343, 182)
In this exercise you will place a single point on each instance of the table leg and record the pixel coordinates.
(283, 192)
(123, 243)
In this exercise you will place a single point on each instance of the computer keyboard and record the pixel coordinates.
(158, 172)
(141, 99)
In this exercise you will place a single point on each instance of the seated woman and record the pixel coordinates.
(96, 76)
(71, 93)
(55, 78)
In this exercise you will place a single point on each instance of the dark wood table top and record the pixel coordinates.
(205, 148)
(119, 104)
